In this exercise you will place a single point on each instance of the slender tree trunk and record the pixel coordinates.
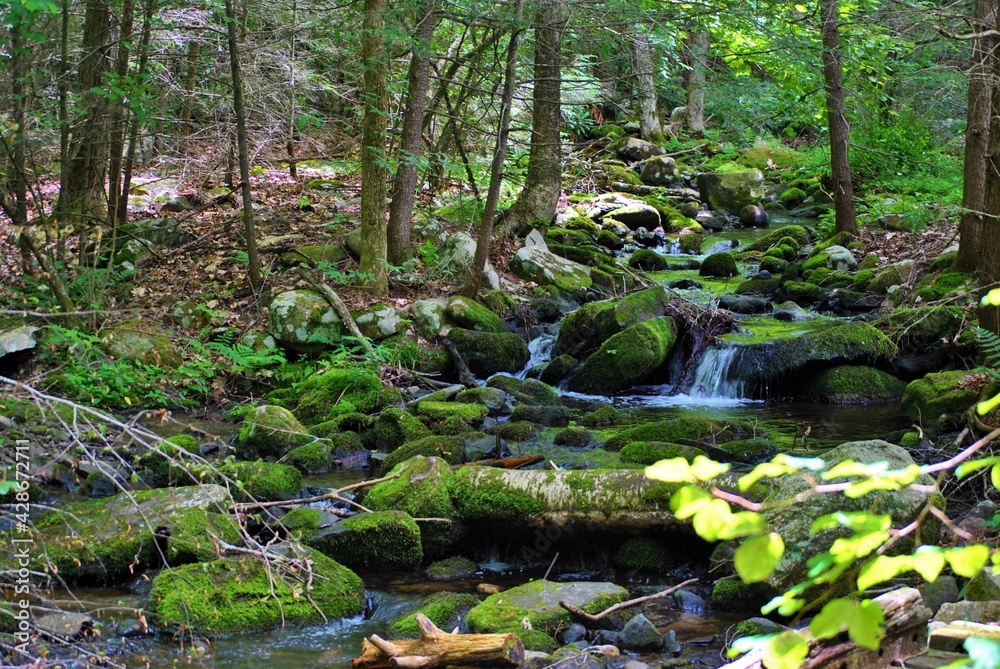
(538, 199)
(977, 122)
(373, 172)
(649, 119)
(16, 200)
(190, 77)
(133, 139)
(405, 182)
(64, 128)
(475, 278)
(840, 132)
(249, 232)
(698, 62)
(293, 171)
(989, 258)
(119, 114)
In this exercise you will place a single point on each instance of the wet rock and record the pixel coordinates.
(671, 646)
(447, 610)
(575, 632)
(753, 216)
(685, 284)
(789, 311)
(852, 384)
(744, 304)
(757, 626)
(377, 541)
(487, 353)
(270, 431)
(538, 603)
(658, 171)
(626, 358)
(596, 322)
(452, 569)
(688, 601)
(65, 624)
(940, 398)
(549, 416)
(640, 635)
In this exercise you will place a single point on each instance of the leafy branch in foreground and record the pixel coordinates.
(858, 559)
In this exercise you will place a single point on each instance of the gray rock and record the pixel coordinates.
(542, 599)
(65, 624)
(943, 590)
(753, 216)
(379, 322)
(839, 258)
(430, 317)
(634, 149)
(689, 602)
(744, 304)
(457, 255)
(637, 216)
(671, 645)
(303, 321)
(538, 264)
(976, 612)
(658, 171)
(789, 311)
(639, 634)
(176, 204)
(731, 191)
(575, 632)
(21, 338)
(352, 240)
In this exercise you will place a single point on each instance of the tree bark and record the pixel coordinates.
(989, 257)
(538, 199)
(649, 120)
(119, 115)
(373, 173)
(475, 278)
(133, 139)
(840, 132)
(698, 54)
(977, 123)
(405, 182)
(249, 232)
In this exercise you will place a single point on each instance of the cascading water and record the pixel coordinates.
(541, 351)
(718, 374)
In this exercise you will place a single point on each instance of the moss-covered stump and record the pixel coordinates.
(649, 452)
(108, 540)
(519, 501)
(378, 541)
(336, 392)
(421, 491)
(263, 481)
(238, 594)
(593, 323)
(853, 384)
(538, 603)
(447, 610)
(487, 353)
(270, 431)
(692, 428)
(941, 398)
(626, 358)
(793, 518)
(472, 315)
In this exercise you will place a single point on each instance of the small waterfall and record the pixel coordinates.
(541, 351)
(717, 374)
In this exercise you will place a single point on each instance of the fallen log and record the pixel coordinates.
(506, 463)
(436, 648)
(905, 637)
(594, 619)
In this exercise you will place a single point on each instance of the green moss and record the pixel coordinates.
(302, 520)
(641, 553)
(609, 240)
(558, 236)
(649, 452)
(314, 458)
(753, 450)
(619, 173)
(773, 265)
(796, 232)
(421, 491)
(733, 595)
(378, 541)
(444, 609)
(612, 130)
(270, 431)
(694, 428)
(762, 287)
(602, 417)
(451, 569)
(507, 384)
(792, 197)
(939, 398)
(183, 441)
(474, 316)
(490, 500)
(263, 481)
(918, 329)
(339, 391)
(626, 358)
(499, 302)
(450, 448)
(719, 265)
(801, 292)
(487, 353)
(572, 436)
(853, 384)
(647, 261)
(237, 595)
(584, 223)
(438, 411)
(910, 440)
(942, 285)
(394, 427)
(345, 443)
(454, 425)
(196, 534)
(516, 430)
(349, 422)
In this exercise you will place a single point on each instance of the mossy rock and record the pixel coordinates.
(393, 428)
(801, 293)
(109, 540)
(421, 490)
(158, 469)
(451, 569)
(449, 448)
(792, 197)
(454, 425)
(620, 174)
(609, 240)
(593, 323)
(499, 302)
(538, 603)
(377, 541)
(555, 236)
(649, 452)
(505, 382)
(197, 535)
(263, 481)
(487, 353)
(647, 261)
(348, 422)
(853, 384)
(585, 224)
(893, 275)
(472, 315)
(494, 399)
(489, 501)
(238, 594)
(303, 321)
(773, 264)
(337, 391)
(753, 450)
(517, 430)
(533, 392)
(734, 595)
(938, 287)
(642, 554)
(547, 415)
(795, 232)
(572, 436)
(602, 417)
(439, 411)
(447, 610)
(558, 369)
(142, 343)
(270, 431)
(694, 428)
(940, 398)
(627, 358)
(760, 287)
(314, 458)
(720, 265)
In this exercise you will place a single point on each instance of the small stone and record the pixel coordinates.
(488, 589)
(688, 601)
(640, 634)
(671, 646)
(575, 632)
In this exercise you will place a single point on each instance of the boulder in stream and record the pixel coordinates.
(941, 398)
(626, 358)
(487, 353)
(731, 191)
(270, 430)
(377, 541)
(593, 323)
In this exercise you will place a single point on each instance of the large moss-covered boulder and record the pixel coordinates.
(314, 254)
(626, 358)
(895, 274)
(197, 535)
(314, 458)
(441, 411)
(487, 353)
(379, 321)
(447, 610)
(940, 398)
(927, 336)
(650, 452)
(240, 594)
(796, 234)
(431, 317)
(303, 321)
(685, 428)
(394, 427)
(593, 323)
(108, 540)
(658, 171)
(270, 430)
(793, 517)
(731, 191)
(421, 490)
(149, 344)
(853, 384)
(263, 481)
(634, 149)
(538, 603)
(377, 541)
(336, 392)
(474, 316)
(721, 265)
(537, 263)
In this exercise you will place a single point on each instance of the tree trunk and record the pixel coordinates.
(293, 171)
(840, 132)
(649, 119)
(133, 139)
(475, 278)
(977, 122)
(405, 182)
(119, 115)
(83, 188)
(249, 232)
(190, 77)
(698, 55)
(373, 172)
(989, 257)
(538, 199)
